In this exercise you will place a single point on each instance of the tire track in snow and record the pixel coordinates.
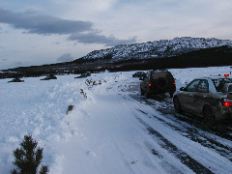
(188, 123)
(171, 148)
(169, 167)
(193, 124)
(221, 129)
(211, 160)
(193, 134)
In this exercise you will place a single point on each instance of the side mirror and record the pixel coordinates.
(142, 77)
(182, 89)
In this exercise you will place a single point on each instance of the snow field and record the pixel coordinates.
(102, 133)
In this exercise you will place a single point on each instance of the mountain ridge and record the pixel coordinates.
(160, 48)
(218, 56)
(176, 53)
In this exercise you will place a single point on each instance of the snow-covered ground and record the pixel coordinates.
(111, 130)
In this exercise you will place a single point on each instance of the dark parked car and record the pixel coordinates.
(209, 97)
(157, 82)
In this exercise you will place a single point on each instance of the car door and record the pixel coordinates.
(187, 94)
(200, 97)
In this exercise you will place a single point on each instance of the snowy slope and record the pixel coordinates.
(157, 48)
(113, 130)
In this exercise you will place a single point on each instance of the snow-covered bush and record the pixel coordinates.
(90, 83)
(83, 93)
(28, 158)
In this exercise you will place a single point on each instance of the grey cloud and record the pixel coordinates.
(65, 58)
(1, 31)
(42, 24)
(95, 37)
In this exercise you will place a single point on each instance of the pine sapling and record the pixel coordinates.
(28, 158)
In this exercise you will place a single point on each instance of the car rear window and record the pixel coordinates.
(161, 74)
(156, 75)
(220, 83)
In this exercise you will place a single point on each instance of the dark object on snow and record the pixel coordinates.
(28, 158)
(69, 109)
(16, 79)
(139, 75)
(157, 82)
(83, 75)
(49, 77)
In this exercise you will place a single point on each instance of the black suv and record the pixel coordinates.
(157, 82)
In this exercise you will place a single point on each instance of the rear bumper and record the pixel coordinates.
(160, 91)
(227, 116)
(224, 114)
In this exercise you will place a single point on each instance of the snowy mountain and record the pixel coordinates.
(176, 53)
(162, 48)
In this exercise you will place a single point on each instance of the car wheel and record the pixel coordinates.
(171, 94)
(208, 114)
(177, 105)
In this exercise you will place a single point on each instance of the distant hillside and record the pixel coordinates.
(218, 56)
(162, 48)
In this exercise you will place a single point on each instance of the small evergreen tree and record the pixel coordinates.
(28, 158)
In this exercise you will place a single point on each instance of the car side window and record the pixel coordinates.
(193, 86)
(203, 86)
(148, 76)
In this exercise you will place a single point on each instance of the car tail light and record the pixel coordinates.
(149, 84)
(227, 104)
(226, 75)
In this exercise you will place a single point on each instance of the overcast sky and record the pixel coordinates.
(36, 32)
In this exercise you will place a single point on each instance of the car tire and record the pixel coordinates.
(171, 94)
(177, 105)
(208, 114)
